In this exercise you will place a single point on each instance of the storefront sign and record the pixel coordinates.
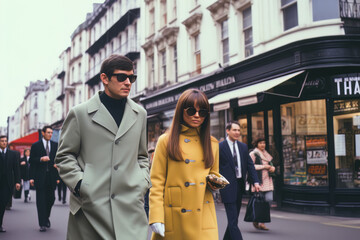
(316, 156)
(317, 169)
(346, 106)
(210, 86)
(347, 85)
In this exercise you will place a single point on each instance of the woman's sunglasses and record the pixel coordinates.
(191, 111)
(121, 77)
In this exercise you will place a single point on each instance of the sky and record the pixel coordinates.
(33, 33)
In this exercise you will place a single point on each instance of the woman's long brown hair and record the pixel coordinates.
(188, 99)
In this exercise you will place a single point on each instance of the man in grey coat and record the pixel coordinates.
(102, 158)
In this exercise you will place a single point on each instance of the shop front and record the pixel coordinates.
(304, 99)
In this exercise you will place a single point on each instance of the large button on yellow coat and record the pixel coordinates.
(179, 197)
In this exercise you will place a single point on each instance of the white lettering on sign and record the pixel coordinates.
(347, 86)
(225, 81)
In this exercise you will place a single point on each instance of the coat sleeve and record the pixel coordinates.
(68, 150)
(253, 158)
(16, 167)
(250, 167)
(215, 149)
(158, 177)
(143, 159)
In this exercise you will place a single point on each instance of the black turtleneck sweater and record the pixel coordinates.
(116, 107)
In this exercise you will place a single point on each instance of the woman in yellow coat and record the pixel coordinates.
(181, 205)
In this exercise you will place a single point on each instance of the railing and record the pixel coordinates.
(349, 9)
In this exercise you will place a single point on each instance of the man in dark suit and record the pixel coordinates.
(9, 173)
(235, 164)
(44, 175)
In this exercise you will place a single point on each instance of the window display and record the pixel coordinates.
(305, 154)
(347, 143)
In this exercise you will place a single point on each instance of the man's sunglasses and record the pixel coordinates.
(121, 77)
(191, 111)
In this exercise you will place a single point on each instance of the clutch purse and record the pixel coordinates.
(217, 180)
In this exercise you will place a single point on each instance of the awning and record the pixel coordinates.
(248, 95)
(25, 142)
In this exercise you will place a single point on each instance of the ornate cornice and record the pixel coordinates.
(193, 23)
(240, 4)
(219, 10)
(170, 34)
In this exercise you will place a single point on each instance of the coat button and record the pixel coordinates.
(116, 168)
(187, 184)
(183, 210)
(117, 141)
(186, 140)
(112, 196)
(187, 161)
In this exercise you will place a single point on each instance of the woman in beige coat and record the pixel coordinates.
(181, 205)
(262, 159)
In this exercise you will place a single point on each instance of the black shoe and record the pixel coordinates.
(8, 208)
(42, 229)
(25, 200)
(64, 202)
(48, 224)
(2, 229)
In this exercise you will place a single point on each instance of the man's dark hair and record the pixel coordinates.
(116, 62)
(46, 127)
(228, 126)
(3, 136)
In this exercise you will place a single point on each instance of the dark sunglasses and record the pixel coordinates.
(121, 77)
(191, 111)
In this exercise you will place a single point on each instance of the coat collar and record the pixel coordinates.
(190, 131)
(104, 118)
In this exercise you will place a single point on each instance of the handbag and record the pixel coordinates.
(257, 209)
(17, 193)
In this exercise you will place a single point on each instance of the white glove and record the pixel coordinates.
(158, 228)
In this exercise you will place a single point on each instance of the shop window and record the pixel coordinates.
(347, 143)
(217, 123)
(257, 125)
(242, 119)
(155, 130)
(304, 140)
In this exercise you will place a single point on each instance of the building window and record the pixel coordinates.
(304, 140)
(151, 71)
(290, 13)
(197, 55)
(163, 66)
(80, 40)
(347, 143)
(79, 73)
(175, 59)
(325, 9)
(247, 29)
(152, 21)
(163, 13)
(174, 7)
(225, 42)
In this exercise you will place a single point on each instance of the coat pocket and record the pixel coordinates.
(209, 216)
(174, 196)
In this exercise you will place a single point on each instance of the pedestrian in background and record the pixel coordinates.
(44, 176)
(262, 160)
(62, 189)
(9, 176)
(103, 159)
(181, 205)
(235, 165)
(24, 170)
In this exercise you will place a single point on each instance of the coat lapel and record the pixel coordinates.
(102, 115)
(229, 155)
(129, 118)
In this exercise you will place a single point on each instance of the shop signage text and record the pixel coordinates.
(204, 88)
(347, 86)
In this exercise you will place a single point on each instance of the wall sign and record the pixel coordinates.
(346, 85)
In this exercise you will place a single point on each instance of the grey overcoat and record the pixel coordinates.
(113, 165)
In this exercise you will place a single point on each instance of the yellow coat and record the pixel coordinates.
(179, 197)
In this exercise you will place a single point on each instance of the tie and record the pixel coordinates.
(235, 155)
(47, 148)
(3, 154)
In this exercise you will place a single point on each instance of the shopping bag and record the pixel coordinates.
(257, 209)
(17, 193)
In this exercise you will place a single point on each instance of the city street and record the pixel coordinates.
(21, 223)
